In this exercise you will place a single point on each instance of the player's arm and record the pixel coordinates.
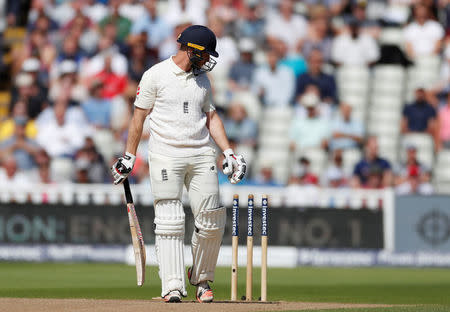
(145, 99)
(217, 130)
(233, 165)
(124, 165)
(135, 129)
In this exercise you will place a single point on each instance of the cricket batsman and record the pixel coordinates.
(176, 95)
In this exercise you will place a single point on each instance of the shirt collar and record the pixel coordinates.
(177, 70)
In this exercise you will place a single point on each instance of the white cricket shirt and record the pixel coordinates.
(178, 101)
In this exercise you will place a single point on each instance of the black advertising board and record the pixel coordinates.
(107, 224)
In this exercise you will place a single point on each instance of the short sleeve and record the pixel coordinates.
(208, 105)
(146, 91)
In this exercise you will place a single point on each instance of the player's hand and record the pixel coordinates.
(233, 166)
(122, 167)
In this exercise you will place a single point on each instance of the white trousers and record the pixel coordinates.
(198, 173)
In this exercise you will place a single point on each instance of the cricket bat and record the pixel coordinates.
(136, 235)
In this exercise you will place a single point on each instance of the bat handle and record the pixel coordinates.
(126, 187)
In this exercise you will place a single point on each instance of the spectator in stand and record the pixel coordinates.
(96, 64)
(354, 47)
(132, 9)
(226, 11)
(95, 10)
(293, 60)
(335, 7)
(302, 175)
(335, 175)
(239, 127)
(359, 12)
(93, 161)
(71, 50)
(43, 174)
(123, 24)
(10, 175)
(28, 91)
(423, 36)
(280, 26)
(36, 45)
(273, 83)
(325, 110)
(68, 83)
(85, 32)
(8, 126)
(241, 72)
(226, 47)
(265, 176)
(61, 138)
(251, 23)
(82, 171)
(62, 11)
(318, 35)
(326, 83)
(139, 61)
(372, 171)
(443, 125)
(312, 131)
(32, 66)
(22, 148)
(415, 183)
(194, 10)
(97, 108)
(419, 116)
(156, 28)
(346, 131)
(170, 46)
(73, 114)
(411, 164)
(113, 83)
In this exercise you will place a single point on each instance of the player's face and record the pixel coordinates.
(205, 58)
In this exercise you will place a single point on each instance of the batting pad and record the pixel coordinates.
(206, 240)
(169, 245)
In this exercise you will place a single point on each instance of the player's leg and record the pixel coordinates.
(167, 175)
(210, 217)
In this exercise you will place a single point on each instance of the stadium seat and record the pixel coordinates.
(251, 103)
(391, 73)
(104, 141)
(279, 161)
(350, 158)
(274, 141)
(391, 36)
(383, 128)
(352, 73)
(388, 102)
(443, 158)
(317, 157)
(61, 170)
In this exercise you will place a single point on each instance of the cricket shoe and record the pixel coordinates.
(204, 293)
(173, 296)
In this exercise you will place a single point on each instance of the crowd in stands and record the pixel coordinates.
(75, 77)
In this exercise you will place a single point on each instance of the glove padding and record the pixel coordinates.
(233, 166)
(122, 167)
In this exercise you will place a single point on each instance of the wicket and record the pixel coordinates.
(234, 242)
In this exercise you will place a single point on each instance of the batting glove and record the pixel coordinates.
(122, 167)
(233, 166)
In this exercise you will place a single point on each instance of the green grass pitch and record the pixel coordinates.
(426, 289)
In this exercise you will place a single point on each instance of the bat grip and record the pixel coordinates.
(126, 187)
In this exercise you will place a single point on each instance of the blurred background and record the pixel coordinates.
(333, 103)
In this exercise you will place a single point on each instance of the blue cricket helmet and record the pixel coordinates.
(199, 37)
